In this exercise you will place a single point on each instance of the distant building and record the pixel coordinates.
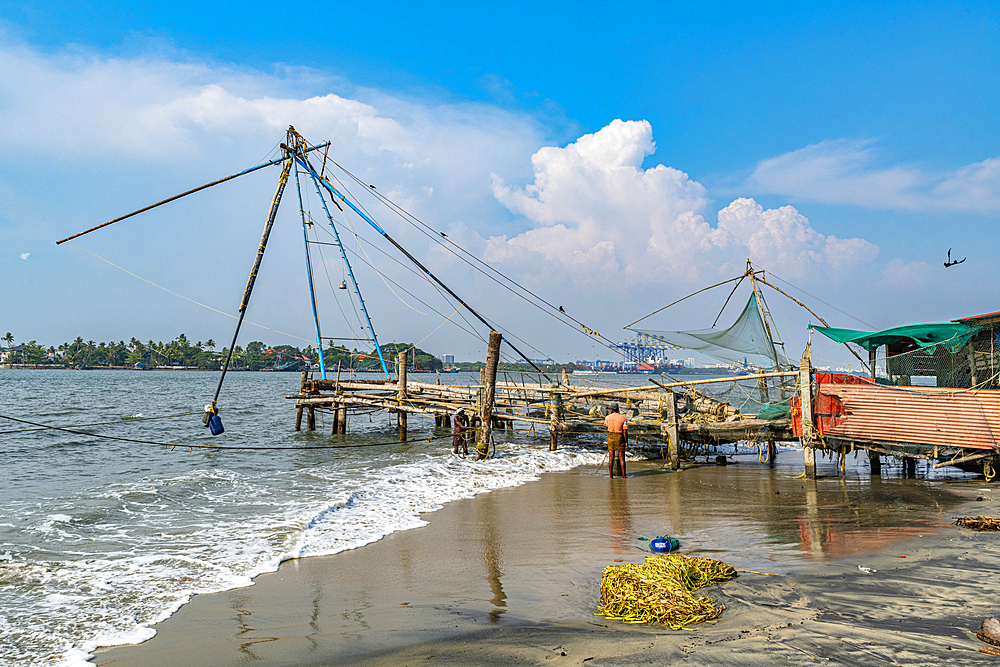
(448, 358)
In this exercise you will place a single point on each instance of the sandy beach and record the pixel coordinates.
(512, 577)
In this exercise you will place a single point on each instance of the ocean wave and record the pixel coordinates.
(145, 546)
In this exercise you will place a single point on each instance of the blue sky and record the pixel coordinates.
(866, 138)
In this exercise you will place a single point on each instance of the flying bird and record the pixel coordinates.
(951, 262)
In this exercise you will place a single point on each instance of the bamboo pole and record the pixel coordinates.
(670, 385)
(489, 389)
(970, 457)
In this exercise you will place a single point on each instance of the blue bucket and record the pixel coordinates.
(215, 425)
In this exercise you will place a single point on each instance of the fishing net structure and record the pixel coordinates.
(744, 344)
(660, 590)
(980, 522)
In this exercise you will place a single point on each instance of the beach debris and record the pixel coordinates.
(660, 590)
(989, 631)
(978, 522)
(867, 570)
(991, 651)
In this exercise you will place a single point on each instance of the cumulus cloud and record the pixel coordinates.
(24, 255)
(598, 215)
(846, 172)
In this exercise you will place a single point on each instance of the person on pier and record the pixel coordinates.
(617, 439)
(461, 427)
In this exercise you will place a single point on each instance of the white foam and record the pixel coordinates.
(167, 545)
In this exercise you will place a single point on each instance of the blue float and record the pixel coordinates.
(664, 545)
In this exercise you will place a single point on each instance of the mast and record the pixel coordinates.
(347, 263)
(309, 273)
(760, 311)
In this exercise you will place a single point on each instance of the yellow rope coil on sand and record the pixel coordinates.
(659, 590)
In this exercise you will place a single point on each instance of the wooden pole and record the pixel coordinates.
(302, 390)
(554, 409)
(805, 391)
(972, 363)
(401, 396)
(342, 419)
(335, 429)
(670, 385)
(311, 418)
(673, 431)
(489, 388)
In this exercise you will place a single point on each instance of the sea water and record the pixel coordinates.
(100, 538)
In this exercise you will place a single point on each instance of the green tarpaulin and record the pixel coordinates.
(951, 335)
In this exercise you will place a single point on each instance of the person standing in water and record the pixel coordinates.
(617, 438)
(458, 438)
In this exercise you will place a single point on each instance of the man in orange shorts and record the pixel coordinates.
(617, 438)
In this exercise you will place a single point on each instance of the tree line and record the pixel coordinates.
(181, 352)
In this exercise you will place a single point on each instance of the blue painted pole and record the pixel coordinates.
(350, 271)
(336, 193)
(309, 274)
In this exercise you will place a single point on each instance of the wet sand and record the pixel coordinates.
(512, 577)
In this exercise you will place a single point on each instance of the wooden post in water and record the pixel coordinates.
(298, 411)
(311, 418)
(342, 419)
(554, 409)
(489, 378)
(805, 391)
(401, 396)
(335, 428)
(673, 431)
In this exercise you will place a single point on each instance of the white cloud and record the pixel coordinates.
(598, 216)
(845, 172)
(24, 255)
(119, 133)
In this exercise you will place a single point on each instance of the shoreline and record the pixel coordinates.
(508, 575)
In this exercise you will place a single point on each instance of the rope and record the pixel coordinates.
(123, 420)
(174, 444)
(197, 303)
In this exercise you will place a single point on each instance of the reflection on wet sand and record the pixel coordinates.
(492, 557)
(619, 517)
(534, 555)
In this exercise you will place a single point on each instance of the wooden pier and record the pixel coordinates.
(675, 418)
(667, 414)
